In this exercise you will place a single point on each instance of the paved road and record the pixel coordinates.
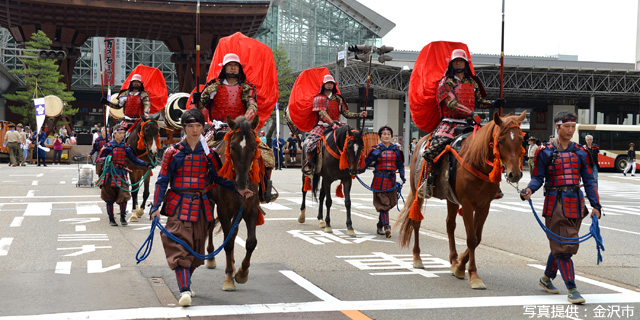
(59, 258)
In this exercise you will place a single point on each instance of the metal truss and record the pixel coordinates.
(573, 83)
(387, 82)
(313, 31)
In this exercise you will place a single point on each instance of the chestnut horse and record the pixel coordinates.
(341, 152)
(475, 186)
(145, 147)
(242, 147)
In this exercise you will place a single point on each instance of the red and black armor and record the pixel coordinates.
(388, 160)
(133, 107)
(332, 106)
(227, 102)
(119, 153)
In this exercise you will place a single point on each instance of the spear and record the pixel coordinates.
(502, 59)
(197, 50)
(366, 94)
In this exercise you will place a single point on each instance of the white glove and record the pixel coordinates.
(121, 101)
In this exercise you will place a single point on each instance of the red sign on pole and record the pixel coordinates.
(109, 61)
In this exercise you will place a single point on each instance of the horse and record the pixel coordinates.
(240, 144)
(496, 146)
(145, 146)
(341, 158)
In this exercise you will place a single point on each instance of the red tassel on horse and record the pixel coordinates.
(415, 213)
(227, 171)
(307, 184)
(260, 219)
(339, 192)
(344, 161)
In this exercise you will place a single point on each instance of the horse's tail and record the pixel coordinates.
(314, 188)
(405, 224)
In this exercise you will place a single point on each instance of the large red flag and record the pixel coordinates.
(258, 65)
(154, 84)
(429, 68)
(306, 87)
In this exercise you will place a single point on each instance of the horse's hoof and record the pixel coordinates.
(301, 217)
(133, 218)
(321, 224)
(242, 276)
(228, 285)
(328, 230)
(477, 284)
(139, 213)
(417, 264)
(457, 272)
(210, 264)
(351, 233)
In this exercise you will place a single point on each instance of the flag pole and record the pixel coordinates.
(502, 59)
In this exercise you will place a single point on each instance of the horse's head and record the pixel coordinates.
(243, 145)
(510, 137)
(352, 143)
(150, 134)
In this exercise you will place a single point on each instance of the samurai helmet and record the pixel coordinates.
(230, 57)
(136, 77)
(459, 53)
(328, 78)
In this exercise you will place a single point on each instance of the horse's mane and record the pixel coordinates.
(243, 124)
(476, 150)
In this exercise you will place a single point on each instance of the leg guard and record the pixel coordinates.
(552, 267)
(183, 275)
(565, 264)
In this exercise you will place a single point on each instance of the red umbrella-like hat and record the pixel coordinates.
(429, 68)
(154, 84)
(258, 65)
(307, 86)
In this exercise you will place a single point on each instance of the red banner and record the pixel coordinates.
(109, 60)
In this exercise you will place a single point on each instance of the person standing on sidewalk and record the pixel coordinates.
(12, 140)
(631, 160)
(531, 153)
(593, 151)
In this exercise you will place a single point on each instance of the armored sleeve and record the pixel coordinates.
(320, 103)
(344, 110)
(249, 97)
(541, 159)
(208, 93)
(146, 103)
(132, 157)
(164, 177)
(215, 178)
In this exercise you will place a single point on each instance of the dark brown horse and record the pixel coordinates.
(241, 147)
(145, 147)
(341, 152)
(475, 186)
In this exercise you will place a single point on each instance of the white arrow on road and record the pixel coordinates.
(80, 220)
(86, 248)
(95, 266)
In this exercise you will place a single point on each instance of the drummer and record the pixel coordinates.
(135, 101)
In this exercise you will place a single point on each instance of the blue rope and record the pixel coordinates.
(594, 232)
(148, 243)
(397, 187)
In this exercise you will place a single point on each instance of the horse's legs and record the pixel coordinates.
(321, 222)
(145, 196)
(225, 222)
(479, 219)
(452, 210)
(417, 260)
(327, 202)
(472, 243)
(301, 216)
(210, 263)
(346, 185)
(252, 241)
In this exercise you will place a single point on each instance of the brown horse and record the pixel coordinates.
(145, 147)
(475, 186)
(242, 147)
(340, 159)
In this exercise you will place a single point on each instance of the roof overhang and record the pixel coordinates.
(365, 16)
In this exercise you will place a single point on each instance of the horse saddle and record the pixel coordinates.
(446, 168)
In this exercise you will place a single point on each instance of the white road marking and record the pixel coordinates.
(63, 182)
(86, 208)
(274, 206)
(81, 228)
(17, 222)
(80, 220)
(34, 182)
(83, 237)
(4, 246)
(95, 266)
(86, 248)
(335, 305)
(312, 288)
(30, 194)
(614, 229)
(39, 175)
(38, 209)
(63, 267)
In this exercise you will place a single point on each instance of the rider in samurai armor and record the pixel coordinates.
(559, 166)
(189, 166)
(135, 101)
(328, 105)
(232, 95)
(459, 94)
(388, 159)
(115, 187)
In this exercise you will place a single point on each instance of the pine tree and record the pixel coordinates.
(41, 74)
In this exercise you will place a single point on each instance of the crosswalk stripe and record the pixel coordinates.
(4, 246)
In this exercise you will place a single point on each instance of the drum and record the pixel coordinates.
(370, 140)
(53, 106)
(176, 105)
(114, 113)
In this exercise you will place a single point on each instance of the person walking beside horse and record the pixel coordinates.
(459, 93)
(114, 183)
(560, 165)
(388, 159)
(189, 167)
